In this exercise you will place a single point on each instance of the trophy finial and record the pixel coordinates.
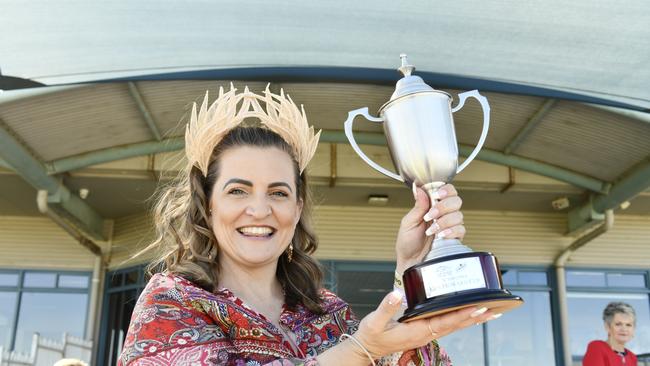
(406, 69)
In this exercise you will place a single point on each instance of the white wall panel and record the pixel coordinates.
(38, 243)
(366, 233)
(131, 234)
(626, 244)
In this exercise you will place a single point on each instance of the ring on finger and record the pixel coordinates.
(434, 334)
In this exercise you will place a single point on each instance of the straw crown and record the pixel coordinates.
(212, 123)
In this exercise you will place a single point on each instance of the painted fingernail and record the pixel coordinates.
(495, 316)
(478, 312)
(394, 298)
(442, 193)
(431, 215)
(415, 191)
(445, 233)
(432, 229)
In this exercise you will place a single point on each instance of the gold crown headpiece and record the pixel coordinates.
(280, 115)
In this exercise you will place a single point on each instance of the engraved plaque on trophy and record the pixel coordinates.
(419, 129)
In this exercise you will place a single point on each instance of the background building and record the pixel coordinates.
(96, 96)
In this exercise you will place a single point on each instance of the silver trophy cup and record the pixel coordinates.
(419, 128)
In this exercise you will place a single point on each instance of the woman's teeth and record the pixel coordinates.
(256, 231)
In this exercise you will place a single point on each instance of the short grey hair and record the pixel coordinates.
(614, 308)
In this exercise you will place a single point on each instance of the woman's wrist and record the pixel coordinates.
(345, 350)
(360, 348)
(404, 264)
(398, 286)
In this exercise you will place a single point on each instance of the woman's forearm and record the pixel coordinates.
(344, 353)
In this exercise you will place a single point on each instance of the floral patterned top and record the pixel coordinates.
(177, 323)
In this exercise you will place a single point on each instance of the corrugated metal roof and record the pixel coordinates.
(75, 121)
(582, 138)
(592, 141)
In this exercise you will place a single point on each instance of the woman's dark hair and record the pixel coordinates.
(190, 249)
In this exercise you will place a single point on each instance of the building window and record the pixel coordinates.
(530, 325)
(588, 294)
(364, 284)
(46, 302)
(49, 314)
(123, 287)
(491, 343)
(466, 347)
(7, 314)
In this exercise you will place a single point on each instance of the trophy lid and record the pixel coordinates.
(409, 84)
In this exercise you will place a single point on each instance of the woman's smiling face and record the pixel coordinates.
(621, 329)
(255, 205)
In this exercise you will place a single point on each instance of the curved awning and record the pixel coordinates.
(567, 82)
(46, 132)
(592, 49)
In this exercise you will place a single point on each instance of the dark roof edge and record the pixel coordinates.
(361, 75)
(379, 77)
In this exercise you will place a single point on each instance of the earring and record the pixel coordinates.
(213, 254)
(290, 253)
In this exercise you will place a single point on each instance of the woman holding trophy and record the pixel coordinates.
(239, 285)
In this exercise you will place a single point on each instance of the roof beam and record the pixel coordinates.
(538, 167)
(633, 182)
(530, 126)
(23, 162)
(144, 110)
(114, 153)
(367, 138)
(630, 184)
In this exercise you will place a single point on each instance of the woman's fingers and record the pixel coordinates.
(450, 220)
(448, 226)
(456, 232)
(449, 190)
(379, 319)
(479, 319)
(445, 324)
(420, 207)
(373, 328)
(381, 335)
(444, 207)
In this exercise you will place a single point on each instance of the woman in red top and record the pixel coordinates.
(620, 320)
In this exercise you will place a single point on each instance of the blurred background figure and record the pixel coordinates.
(620, 321)
(70, 362)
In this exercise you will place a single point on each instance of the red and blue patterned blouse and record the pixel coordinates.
(177, 323)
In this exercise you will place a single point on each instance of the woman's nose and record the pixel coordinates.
(258, 208)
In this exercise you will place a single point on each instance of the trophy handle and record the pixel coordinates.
(348, 132)
(486, 123)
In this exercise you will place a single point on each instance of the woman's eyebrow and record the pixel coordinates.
(281, 184)
(250, 184)
(238, 181)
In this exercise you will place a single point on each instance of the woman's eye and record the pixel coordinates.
(279, 194)
(236, 191)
